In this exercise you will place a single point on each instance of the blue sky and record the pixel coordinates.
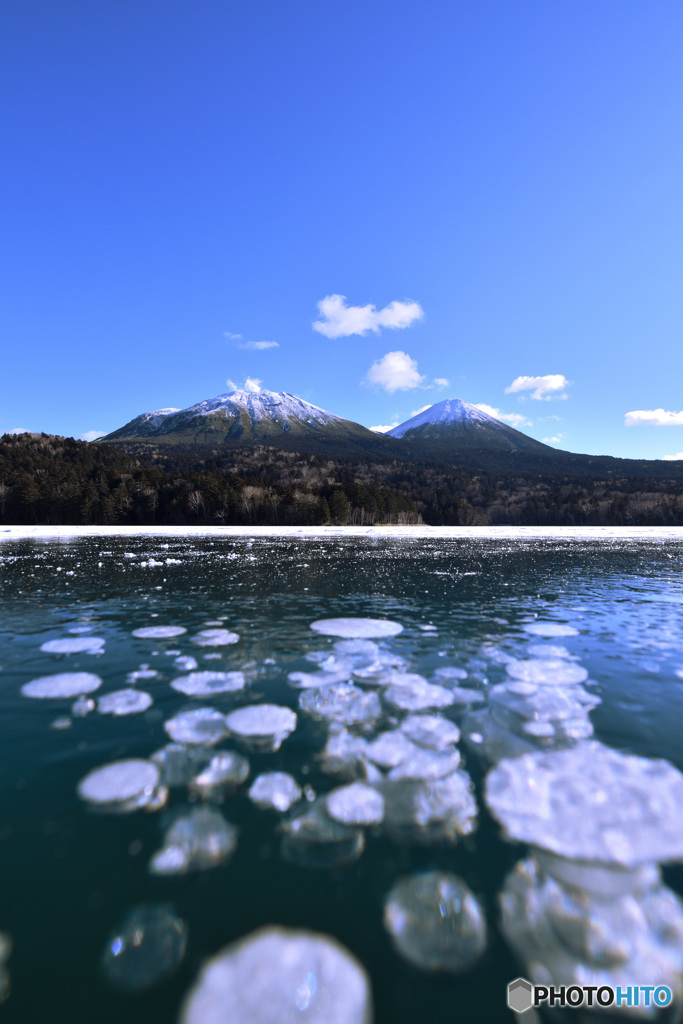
(495, 188)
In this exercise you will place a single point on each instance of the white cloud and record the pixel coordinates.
(553, 440)
(340, 320)
(92, 435)
(542, 388)
(252, 384)
(653, 417)
(440, 383)
(396, 371)
(382, 428)
(232, 337)
(515, 419)
(258, 346)
(674, 458)
(20, 430)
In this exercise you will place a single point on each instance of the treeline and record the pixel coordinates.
(54, 480)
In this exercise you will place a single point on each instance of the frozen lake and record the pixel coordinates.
(192, 655)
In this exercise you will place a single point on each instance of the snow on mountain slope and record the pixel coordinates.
(451, 410)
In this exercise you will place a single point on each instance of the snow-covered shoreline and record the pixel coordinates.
(659, 534)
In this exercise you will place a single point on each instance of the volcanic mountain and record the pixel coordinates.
(244, 417)
(459, 426)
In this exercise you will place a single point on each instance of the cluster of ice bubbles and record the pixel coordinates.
(588, 905)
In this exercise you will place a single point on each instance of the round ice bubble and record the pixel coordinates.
(356, 804)
(64, 684)
(159, 632)
(74, 645)
(145, 949)
(591, 803)
(276, 975)
(550, 629)
(203, 725)
(435, 922)
(124, 702)
(119, 782)
(275, 791)
(204, 684)
(262, 726)
(196, 841)
(215, 638)
(357, 628)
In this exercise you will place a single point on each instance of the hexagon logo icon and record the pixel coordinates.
(520, 995)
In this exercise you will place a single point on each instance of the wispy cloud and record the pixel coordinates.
(542, 388)
(674, 458)
(395, 371)
(252, 384)
(92, 435)
(382, 428)
(553, 440)
(440, 383)
(653, 417)
(258, 346)
(515, 419)
(232, 337)
(340, 321)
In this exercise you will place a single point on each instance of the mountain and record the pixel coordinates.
(244, 417)
(459, 425)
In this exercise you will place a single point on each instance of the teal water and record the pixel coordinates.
(70, 876)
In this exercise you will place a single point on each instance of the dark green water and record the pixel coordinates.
(69, 875)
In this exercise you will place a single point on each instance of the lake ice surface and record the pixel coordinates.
(552, 635)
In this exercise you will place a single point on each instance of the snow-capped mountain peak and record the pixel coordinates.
(451, 410)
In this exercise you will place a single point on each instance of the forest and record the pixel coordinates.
(52, 480)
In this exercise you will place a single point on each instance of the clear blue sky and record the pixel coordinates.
(175, 174)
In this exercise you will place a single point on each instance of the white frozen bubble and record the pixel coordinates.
(431, 731)
(146, 948)
(64, 684)
(365, 650)
(429, 811)
(223, 774)
(435, 922)
(124, 702)
(261, 727)
(196, 841)
(345, 754)
(121, 785)
(411, 692)
(82, 706)
(390, 748)
(278, 976)
(186, 662)
(142, 673)
(311, 680)
(448, 673)
(550, 629)
(357, 628)
(275, 791)
(591, 803)
(313, 839)
(341, 702)
(205, 684)
(426, 764)
(215, 638)
(568, 936)
(81, 629)
(179, 764)
(356, 804)
(159, 632)
(203, 725)
(74, 645)
(548, 671)
(61, 723)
